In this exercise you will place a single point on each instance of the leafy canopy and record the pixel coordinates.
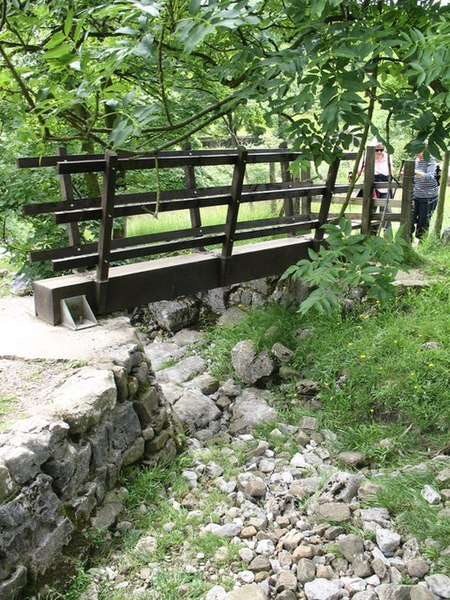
(147, 74)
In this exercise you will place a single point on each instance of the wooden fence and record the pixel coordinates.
(116, 286)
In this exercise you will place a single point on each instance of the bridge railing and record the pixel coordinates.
(112, 204)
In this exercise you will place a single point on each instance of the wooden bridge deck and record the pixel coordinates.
(166, 278)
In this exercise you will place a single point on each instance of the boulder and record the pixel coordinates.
(249, 365)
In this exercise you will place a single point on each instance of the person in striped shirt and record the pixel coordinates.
(425, 194)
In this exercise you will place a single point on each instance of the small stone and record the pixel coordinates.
(351, 546)
(418, 567)
(322, 589)
(309, 423)
(266, 547)
(393, 592)
(366, 595)
(286, 580)
(247, 592)
(439, 585)
(256, 488)
(303, 552)
(285, 559)
(287, 595)
(361, 567)
(306, 571)
(146, 544)
(379, 568)
(246, 576)
(331, 533)
(302, 438)
(352, 459)
(431, 495)
(260, 563)
(388, 541)
(292, 540)
(420, 592)
(324, 572)
(246, 555)
(216, 593)
(248, 532)
(333, 511)
(282, 353)
(443, 476)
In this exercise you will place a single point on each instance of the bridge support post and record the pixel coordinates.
(369, 169)
(407, 198)
(326, 200)
(233, 211)
(106, 228)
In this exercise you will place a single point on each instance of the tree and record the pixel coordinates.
(147, 74)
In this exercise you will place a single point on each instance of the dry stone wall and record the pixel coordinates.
(59, 470)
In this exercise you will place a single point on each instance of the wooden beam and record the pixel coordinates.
(330, 189)
(106, 226)
(166, 278)
(369, 170)
(65, 183)
(233, 206)
(407, 198)
(191, 184)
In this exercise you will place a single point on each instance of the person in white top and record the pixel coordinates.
(382, 172)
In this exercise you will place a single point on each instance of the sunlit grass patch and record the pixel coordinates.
(8, 405)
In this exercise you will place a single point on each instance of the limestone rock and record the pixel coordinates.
(183, 371)
(439, 585)
(322, 589)
(306, 570)
(84, 399)
(250, 366)
(388, 541)
(286, 580)
(351, 546)
(173, 315)
(195, 410)
(333, 511)
(249, 409)
(393, 592)
(247, 592)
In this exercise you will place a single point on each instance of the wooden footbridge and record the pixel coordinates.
(106, 271)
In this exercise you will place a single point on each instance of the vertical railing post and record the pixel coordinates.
(407, 198)
(442, 194)
(106, 228)
(66, 187)
(326, 199)
(305, 175)
(286, 176)
(191, 184)
(233, 212)
(369, 170)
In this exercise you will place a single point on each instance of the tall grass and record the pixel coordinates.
(180, 219)
(393, 365)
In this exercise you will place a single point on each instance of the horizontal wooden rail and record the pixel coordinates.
(267, 155)
(163, 243)
(91, 248)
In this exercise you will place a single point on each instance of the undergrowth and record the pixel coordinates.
(383, 372)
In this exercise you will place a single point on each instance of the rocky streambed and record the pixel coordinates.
(289, 518)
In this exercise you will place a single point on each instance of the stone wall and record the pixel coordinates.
(59, 470)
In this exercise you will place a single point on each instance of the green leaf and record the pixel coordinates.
(194, 7)
(68, 22)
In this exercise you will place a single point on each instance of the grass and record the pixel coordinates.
(8, 402)
(400, 495)
(172, 221)
(396, 387)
